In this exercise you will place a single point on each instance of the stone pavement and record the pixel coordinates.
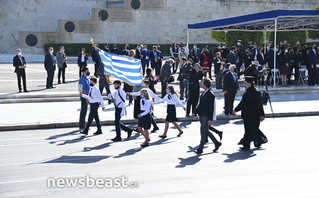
(285, 167)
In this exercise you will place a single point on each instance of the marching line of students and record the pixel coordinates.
(205, 111)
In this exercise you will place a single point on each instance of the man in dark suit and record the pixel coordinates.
(154, 57)
(82, 60)
(145, 58)
(230, 89)
(165, 75)
(126, 51)
(49, 65)
(313, 59)
(232, 58)
(96, 60)
(253, 113)
(115, 50)
(20, 64)
(204, 110)
(210, 60)
(138, 52)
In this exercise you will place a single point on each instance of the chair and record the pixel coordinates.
(302, 75)
(275, 74)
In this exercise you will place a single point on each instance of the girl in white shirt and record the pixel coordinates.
(171, 98)
(144, 121)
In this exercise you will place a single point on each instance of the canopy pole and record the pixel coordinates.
(187, 41)
(265, 33)
(275, 53)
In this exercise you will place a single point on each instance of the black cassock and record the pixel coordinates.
(252, 109)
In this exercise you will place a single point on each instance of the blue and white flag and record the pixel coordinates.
(122, 67)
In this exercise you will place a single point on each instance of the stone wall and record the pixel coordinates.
(152, 21)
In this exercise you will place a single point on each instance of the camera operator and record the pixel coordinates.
(256, 70)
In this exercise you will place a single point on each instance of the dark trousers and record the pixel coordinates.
(181, 88)
(153, 122)
(210, 70)
(218, 80)
(204, 132)
(118, 124)
(61, 71)
(84, 108)
(96, 69)
(251, 131)
(21, 74)
(144, 66)
(164, 85)
(137, 106)
(214, 129)
(50, 76)
(193, 99)
(229, 103)
(128, 88)
(94, 114)
(106, 86)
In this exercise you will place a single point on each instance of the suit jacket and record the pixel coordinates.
(205, 107)
(126, 52)
(60, 58)
(230, 84)
(17, 63)
(137, 53)
(313, 58)
(231, 58)
(146, 56)
(49, 62)
(217, 64)
(261, 59)
(250, 105)
(152, 57)
(83, 64)
(165, 71)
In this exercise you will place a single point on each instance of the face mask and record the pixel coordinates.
(63, 50)
(142, 96)
(117, 87)
(88, 73)
(170, 65)
(91, 84)
(19, 53)
(168, 91)
(51, 52)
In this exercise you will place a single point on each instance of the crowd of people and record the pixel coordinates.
(194, 68)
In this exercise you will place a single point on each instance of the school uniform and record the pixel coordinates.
(153, 95)
(95, 99)
(171, 100)
(119, 98)
(145, 120)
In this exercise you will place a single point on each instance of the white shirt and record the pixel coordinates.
(171, 99)
(146, 106)
(82, 58)
(150, 92)
(94, 96)
(118, 96)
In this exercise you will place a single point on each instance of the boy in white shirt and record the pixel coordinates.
(95, 99)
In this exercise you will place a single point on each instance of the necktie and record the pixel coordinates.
(143, 102)
(169, 96)
(90, 92)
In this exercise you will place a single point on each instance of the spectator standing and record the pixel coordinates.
(20, 64)
(49, 64)
(61, 61)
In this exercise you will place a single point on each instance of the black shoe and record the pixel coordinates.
(136, 130)
(220, 134)
(217, 145)
(145, 144)
(20, 91)
(188, 116)
(63, 82)
(179, 135)
(129, 133)
(82, 128)
(257, 144)
(52, 87)
(155, 129)
(162, 136)
(199, 151)
(59, 82)
(116, 139)
(206, 140)
(85, 131)
(25, 90)
(98, 132)
(245, 148)
(48, 87)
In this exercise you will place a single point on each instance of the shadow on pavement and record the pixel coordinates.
(77, 159)
(184, 125)
(188, 161)
(239, 122)
(240, 155)
(129, 152)
(63, 135)
(76, 140)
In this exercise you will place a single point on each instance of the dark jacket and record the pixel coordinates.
(184, 72)
(230, 84)
(194, 77)
(165, 71)
(49, 62)
(152, 57)
(313, 58)
(231, 58)
(205, 107)
(261, 59)
(83, 64)
(17, 63)
(250, 105)
(95, 56)
(217, 64)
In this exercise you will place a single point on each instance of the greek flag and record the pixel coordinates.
(122, 67)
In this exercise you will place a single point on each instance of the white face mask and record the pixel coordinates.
(19, 53)
(51, 52)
